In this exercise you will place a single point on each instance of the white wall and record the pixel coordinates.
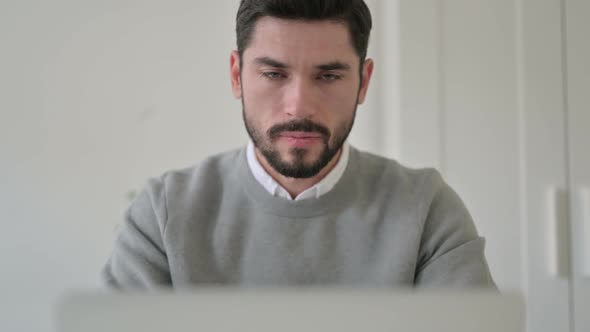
(98, 96)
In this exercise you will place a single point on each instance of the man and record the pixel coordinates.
(298, 205)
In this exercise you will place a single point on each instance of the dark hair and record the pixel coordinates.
(354, 13)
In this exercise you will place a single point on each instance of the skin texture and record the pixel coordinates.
(299, 83)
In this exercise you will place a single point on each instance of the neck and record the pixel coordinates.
(296, 186)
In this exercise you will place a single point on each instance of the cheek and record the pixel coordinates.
(260, 98)
(347, 93)
(340, 94)
(341, 104)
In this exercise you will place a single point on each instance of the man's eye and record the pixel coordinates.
(273, 75)
(329, 77)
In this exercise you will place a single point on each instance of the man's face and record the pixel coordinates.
(300, 85)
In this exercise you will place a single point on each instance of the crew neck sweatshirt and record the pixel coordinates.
(382, 225)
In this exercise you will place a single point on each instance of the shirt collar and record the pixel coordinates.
(317, 190)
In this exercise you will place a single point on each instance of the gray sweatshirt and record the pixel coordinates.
(382, 225)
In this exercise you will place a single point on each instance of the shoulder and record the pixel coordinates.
(389, 173)
(209, 169)
(439, 205)
(207, 176)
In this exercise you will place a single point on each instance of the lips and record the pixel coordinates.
(300, 135)
(301, 139)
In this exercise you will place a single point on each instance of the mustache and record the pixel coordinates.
(298, 125)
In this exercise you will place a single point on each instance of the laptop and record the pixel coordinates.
(291, 310)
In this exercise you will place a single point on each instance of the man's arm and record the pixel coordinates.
(138, 259)
(451, 251)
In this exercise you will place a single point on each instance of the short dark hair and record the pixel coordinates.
(353, 13)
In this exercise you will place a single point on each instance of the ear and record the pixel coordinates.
(234, 71)
(367, 73)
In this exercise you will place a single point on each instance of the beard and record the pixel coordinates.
(298, 168)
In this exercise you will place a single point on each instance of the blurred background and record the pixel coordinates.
(98, 96)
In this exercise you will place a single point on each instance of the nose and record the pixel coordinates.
(300, 99)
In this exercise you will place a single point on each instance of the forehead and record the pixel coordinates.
(297, 41)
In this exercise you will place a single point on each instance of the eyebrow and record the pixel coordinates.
(266, 61)
(334, 65)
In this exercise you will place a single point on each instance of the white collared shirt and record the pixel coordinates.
(317, 190)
